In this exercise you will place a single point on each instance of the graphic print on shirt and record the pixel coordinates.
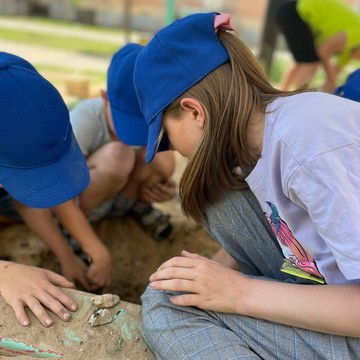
(299, 256)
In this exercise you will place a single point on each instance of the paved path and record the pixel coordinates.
(45, 56)
(48, 56)
(51, 56)
(111, 36)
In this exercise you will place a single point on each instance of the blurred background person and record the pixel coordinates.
(316, 31)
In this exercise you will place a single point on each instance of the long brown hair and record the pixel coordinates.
(229, 95)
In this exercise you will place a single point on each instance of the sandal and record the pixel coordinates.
(152, 220)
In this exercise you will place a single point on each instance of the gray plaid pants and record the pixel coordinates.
(175, 332)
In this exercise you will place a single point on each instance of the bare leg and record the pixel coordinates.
(356, 54)
(298, 75)
(148, 184)
(110, 168)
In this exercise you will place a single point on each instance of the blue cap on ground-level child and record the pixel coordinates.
(351, 88)
(41, 164)
(130, 125)
(179, 56)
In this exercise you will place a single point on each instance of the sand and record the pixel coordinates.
(135, 256)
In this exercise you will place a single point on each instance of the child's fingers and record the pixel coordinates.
(20, 313)
(59, 280)
(35, 305)
(192, 255)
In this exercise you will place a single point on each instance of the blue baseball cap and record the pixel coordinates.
(130, 125)
(179, 56)
(351, 88)
(41, 164)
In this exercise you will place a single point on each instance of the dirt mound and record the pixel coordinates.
(135, 257)
(77, 339)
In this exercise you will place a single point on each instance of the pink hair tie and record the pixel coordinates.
(222, 21)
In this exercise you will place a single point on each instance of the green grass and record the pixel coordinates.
(65, 24)
(277, 70)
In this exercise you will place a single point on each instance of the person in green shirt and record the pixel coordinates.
(316, 31)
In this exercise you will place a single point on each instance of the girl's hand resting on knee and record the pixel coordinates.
(207, 284)
(23, 285)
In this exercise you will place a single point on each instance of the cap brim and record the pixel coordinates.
(154, 144)
(50, 185)
(130, 128)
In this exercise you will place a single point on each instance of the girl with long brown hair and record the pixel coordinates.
(274, 177)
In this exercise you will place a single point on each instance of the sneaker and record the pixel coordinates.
(152, 220)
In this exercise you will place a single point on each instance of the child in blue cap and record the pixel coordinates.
(121, 182)
(273, 177)
(93, 275)
(41, 166)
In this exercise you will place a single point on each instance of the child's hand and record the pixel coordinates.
(99, 271)
(22, 285)
(207, 284)
(158, 192)
(74, 269)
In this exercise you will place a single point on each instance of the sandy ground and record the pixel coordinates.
(135, 253)
(76, 340)
(135, 256)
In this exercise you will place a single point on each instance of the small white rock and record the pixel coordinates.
(100, 317)
(105, 300)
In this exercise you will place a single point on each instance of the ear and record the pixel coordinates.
(195, 109)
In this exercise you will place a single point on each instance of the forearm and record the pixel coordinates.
(331, 309)
(41, 222)
(74, 220)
